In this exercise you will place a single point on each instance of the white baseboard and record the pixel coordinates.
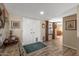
(70, 47)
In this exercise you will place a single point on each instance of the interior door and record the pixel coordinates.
(28, 36)
(31, 31)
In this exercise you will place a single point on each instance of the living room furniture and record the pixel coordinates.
(10, 41)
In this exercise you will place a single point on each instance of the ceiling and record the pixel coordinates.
(33, 9)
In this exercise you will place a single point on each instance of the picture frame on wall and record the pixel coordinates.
(15, 24)
(70, 25)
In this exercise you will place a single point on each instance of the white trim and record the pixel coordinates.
(70, 47)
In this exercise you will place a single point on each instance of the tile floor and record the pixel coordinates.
(54, 48)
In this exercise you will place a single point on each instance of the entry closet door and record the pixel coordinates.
(31, 31)
(28, 34)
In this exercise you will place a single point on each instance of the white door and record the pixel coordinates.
(31, 31)
(27, 31)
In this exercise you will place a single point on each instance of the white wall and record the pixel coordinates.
(70, 12)
(16, 31)
(70, 37)
(31, 30)
(78, 29)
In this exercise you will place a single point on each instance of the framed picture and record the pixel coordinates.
(70, 25)
(15, 24)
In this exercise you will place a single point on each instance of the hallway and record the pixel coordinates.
(54, 25)
(54, 48)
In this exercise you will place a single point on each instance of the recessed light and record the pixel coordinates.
(41, 12)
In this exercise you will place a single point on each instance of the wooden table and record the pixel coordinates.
(10, 41)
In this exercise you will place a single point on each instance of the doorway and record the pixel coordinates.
(53, 30)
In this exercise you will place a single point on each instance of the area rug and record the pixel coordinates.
(34, 46)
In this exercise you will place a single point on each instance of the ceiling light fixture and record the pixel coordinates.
(41, 12)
